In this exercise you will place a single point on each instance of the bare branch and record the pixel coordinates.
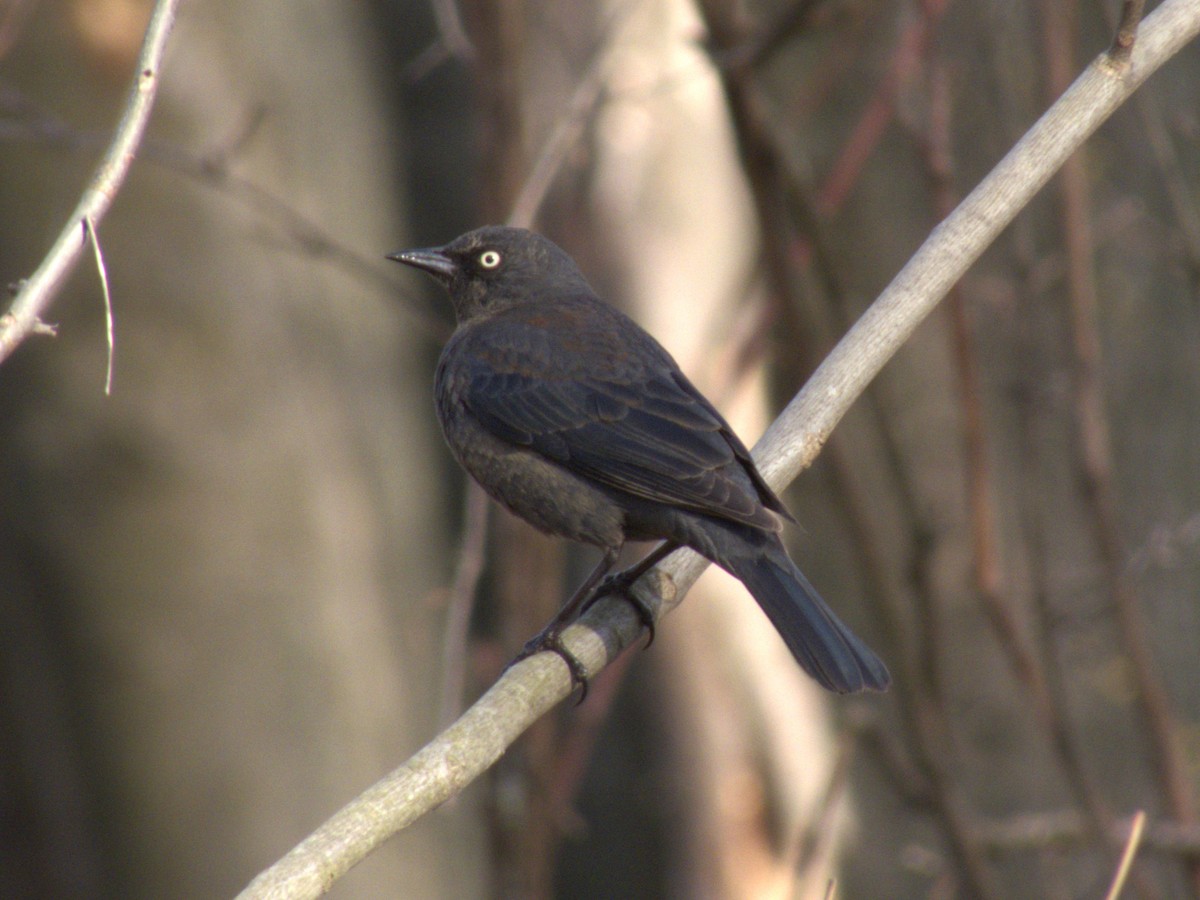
(797, 435)
(529, 689)
(450, 762)
(213, 169)
(39, 291)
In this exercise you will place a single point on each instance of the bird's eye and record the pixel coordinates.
(489, 259)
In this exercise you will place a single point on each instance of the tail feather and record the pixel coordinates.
(827, 650)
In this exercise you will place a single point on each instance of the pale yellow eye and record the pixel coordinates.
(489, 259)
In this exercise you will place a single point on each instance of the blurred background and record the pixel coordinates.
(251, 581)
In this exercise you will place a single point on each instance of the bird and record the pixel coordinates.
(574, 418)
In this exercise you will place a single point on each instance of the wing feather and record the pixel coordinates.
(640, 427)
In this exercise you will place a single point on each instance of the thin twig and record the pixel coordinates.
(532, 687)
(90, 231)
(1126, 36)
(1035, 673)
(911, 48)
(814, 838)
(461, 600)
(451, 42)
(450, 29)
(796, 222)
(997, 607)
(1131, 848)
(775, 34)
(43, 286)
(1065, 827)
(1094, 444)
(212, 168)
(1180, 192)
(780, 206)
(565, 136)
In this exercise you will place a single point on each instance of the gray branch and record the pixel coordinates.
(35, 295)
(528, 690)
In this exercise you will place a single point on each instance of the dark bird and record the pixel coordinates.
(578, 421)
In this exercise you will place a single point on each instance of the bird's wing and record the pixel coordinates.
(637, 427)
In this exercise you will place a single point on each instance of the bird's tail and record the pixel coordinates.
(826, 649)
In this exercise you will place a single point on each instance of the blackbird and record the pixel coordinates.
(578, 421)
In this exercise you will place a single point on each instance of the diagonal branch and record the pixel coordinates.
(37, 293)
(532, 687)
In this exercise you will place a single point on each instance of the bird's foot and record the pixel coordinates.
(621, 584)
(549, 640)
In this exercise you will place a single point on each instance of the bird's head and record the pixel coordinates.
(498, 267)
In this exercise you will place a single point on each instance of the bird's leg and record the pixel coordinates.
(622, 581)
(549, 638)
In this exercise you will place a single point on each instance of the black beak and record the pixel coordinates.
(433, 261)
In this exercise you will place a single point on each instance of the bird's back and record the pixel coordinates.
(577, 381)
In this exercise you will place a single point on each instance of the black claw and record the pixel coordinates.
(550, 641)
(644, 613)
(621, 584)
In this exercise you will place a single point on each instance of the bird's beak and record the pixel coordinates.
(433, 261)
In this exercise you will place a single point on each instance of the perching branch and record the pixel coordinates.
(531, 688)
(37, 293)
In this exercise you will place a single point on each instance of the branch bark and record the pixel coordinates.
(38, 292)
(531, 688)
